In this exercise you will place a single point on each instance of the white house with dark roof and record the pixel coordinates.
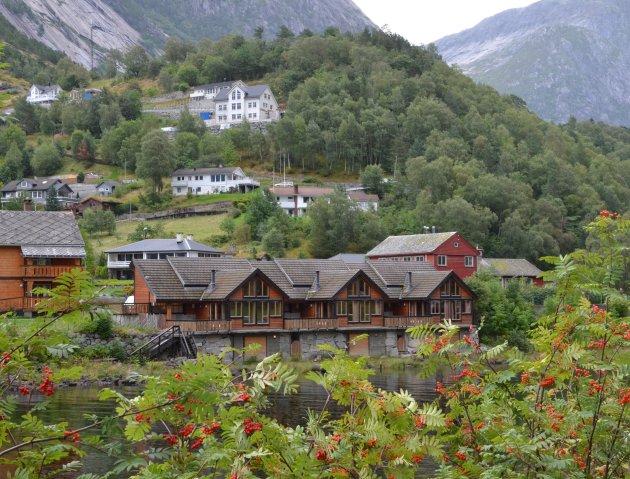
(241, 102)
(205, 181)
(211, 90)
(119, 259)
(37, 190)
(43, 94)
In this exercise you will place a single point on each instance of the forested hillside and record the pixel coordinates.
(457, 155)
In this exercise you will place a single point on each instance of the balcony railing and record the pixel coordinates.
(118, 264)
(403, 322)
(206, 326)
(311, 324)
(46, 271)
(19, 304)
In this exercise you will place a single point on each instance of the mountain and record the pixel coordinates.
(563, 57)
(66, 25)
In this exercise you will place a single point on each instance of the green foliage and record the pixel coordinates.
(52, 200)
(98, 221)
(372, 178)
(83, 146)
(262, 206)
(46, 159)
(145, 230)
(156, 159)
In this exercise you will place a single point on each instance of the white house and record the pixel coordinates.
(119, 259)
(294, 200)
(204, 181)
(43, 94)
(209, 91)
(242, 102)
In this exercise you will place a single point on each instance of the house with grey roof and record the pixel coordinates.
(119, 259)
(445, 251)
(107, 187)
(43, 95)
(35, 248)
(292, 305)
(241, 102)
(207, 181)
(510, 269)
(210, 90)
(37, 190)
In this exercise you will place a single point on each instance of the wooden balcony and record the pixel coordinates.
(46, 271)
(403, 322)
(311, 324)
(20, 304)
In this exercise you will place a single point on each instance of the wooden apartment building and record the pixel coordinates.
(293, 305)
(35, 248)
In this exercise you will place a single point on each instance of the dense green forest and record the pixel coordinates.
(455, 154)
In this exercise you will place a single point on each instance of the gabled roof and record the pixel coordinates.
(410, 244)
(163, 246)
(511, 267)
(206, 171)
(39, 184)
(46, 88)
(42, 233)
(109, 183)
(362, 197)
(312, 191)
(189, 279)
(350, 257)
(209, 86)
(254, 91)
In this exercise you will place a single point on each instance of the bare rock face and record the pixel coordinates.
(563, 57)
(65, 25)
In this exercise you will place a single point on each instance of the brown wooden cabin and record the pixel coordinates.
(35, 248)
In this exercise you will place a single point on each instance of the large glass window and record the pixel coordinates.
(450, 288)
(359, 287)
(441, 260)
(256, 288)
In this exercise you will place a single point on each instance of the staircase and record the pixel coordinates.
(172, 341)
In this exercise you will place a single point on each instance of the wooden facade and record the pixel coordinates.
(444, 251)
(35, 248)
(220, 296)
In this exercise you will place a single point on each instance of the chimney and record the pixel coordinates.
(316, 283)
(433, 229)
(28, 204)
(408, 282)
(189, 237)
(213, 280)
(179, 237)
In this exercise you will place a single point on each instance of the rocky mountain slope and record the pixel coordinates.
(563, 57)
(66, 25)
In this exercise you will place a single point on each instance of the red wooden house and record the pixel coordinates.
(292, 305)
(444, 251)
(35, 248)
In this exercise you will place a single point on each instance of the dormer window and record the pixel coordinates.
(24, 184)
(256, 288)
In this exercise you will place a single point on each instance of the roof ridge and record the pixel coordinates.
(275, 260)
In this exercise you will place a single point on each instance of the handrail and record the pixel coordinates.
(167, 332)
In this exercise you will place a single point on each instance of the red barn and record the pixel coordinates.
(445, 251)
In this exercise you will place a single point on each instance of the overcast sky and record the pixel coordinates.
(424, 21)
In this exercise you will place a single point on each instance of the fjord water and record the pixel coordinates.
(72, 404)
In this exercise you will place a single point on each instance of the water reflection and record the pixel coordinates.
(73, 404)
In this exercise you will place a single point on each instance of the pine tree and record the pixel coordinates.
(52, 200)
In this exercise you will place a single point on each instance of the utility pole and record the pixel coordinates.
(92, 28)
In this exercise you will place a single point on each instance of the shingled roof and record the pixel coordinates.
(42, 233)
(511, 267)
(410, 244)
(190, 279)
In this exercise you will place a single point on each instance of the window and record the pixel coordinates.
(253, 104)
(152, 256)
(238, 117)
(359, 287)
(275, 308)
(233, 117)
(233, 95)
(256, 288)
(238, 95)
(222, 177)
(457, 310)
(435, 307)
(362, 311)
(257, 312)
(469, 262)
(450, 288)
(441, 260)
(456, 244)
(342, 308)
(419, 258)
(43, 261)
(467, 307)
(255, 115)
(407, 258)
(233, 106)
(199, 189)
(236, 309)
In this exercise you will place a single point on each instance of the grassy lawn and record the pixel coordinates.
(201, 227)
